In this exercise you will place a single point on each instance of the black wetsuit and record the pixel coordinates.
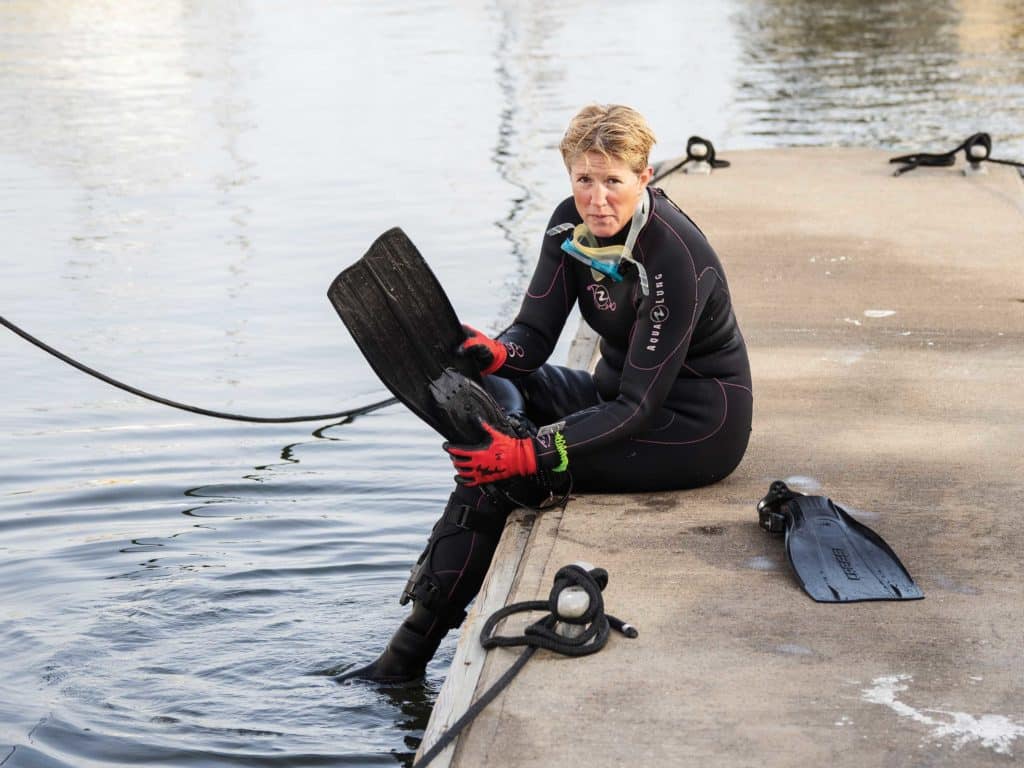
(669, 405)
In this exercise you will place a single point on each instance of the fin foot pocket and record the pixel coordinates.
(836, 558)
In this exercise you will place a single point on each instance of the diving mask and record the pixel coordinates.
(605, 260)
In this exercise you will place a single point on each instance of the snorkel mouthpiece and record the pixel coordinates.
(605, 268)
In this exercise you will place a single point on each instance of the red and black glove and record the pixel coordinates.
(501, 457)
(487, 353)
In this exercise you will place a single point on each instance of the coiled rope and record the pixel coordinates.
(697, 150)
(597, 626)
(347, 414)
(977, 148)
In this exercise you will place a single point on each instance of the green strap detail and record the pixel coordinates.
(563, 453)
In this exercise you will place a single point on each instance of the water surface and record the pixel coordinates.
(179, 182)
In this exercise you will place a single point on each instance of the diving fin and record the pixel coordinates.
(404, 324)
(407, 330)
(836, 558)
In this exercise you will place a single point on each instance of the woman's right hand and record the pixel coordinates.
(500, 457)
(488, 354)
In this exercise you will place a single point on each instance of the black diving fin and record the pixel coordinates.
(836, 558)
(405, 326)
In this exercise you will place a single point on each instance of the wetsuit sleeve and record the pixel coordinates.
(658, 343)
(531, 338)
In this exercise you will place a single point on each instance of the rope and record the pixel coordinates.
(981, 142)
(348, 414)
(597, 626)
(698, 150)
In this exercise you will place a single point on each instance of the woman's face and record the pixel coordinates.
(606, 191)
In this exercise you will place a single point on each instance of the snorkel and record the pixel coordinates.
(605, 260)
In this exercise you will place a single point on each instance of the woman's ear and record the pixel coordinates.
(646, 176)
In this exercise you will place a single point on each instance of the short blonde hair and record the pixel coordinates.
(613, 130)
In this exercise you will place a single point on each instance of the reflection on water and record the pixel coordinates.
(179, 183)
(919, 74)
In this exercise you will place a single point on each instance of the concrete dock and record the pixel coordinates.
(885, 321)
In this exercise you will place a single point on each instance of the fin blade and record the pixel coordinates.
(405, 326)
(839, 559)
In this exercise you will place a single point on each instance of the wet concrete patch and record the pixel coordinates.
(950, 585)
(793, 649)
(708, 530)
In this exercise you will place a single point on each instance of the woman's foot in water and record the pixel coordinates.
(405, 659)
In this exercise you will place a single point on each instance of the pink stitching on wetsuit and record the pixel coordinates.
(715, 431)
(710, 269)
(657, 369)
(669, 423)
(472, 546)
(696, 296)
(458, 580)
(695, 372)
(622, 425)
(744, 387)
(554, 278)
(625, 422)
(520, 370)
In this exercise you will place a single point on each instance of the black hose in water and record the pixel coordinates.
(347, 414)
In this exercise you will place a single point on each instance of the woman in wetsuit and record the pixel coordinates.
(668, 406)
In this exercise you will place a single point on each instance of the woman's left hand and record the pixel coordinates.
(488, 354)
(501, 457)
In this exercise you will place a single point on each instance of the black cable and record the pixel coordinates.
(470, 714)
(946, 159)
(1014, 163)
(541, 634)
(191, 408)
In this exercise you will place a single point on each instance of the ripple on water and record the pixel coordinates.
(171, 585)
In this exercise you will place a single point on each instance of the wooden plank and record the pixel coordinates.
(583, 350)
(459, 688)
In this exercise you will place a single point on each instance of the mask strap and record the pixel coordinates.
(640, 216)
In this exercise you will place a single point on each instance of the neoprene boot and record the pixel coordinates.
(406, 656)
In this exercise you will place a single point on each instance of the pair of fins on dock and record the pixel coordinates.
(406, 328)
